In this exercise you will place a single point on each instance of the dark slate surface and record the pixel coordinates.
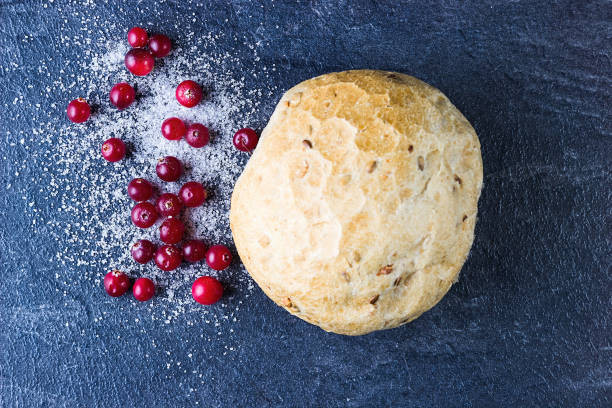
(527, 325)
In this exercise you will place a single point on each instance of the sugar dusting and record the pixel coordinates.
(92, 224)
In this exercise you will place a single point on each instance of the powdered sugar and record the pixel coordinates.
(92, 224)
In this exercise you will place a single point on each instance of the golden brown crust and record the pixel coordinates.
(357, 209)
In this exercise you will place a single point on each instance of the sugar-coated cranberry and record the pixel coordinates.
(246, 140)
(144, 215)
(168, 205)
(160, 45)
(143, 251)
(168, 257)
(169, 168)
(197, 135)
(143, 289)
(194, 250)
(139, 62)
(78, 110)
(113, 149)
(173, 129)
(116, 283)
(171, 231)
(122, 95)
(192, 194)
(206, 290)
(137, 37)
(218, 257)
(188, 93)
(140, 189)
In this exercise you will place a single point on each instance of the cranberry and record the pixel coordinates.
(137, 37)
(218, 257)
(206, 290)
(116, 283)
(122, 95)
(171, 231)
(142, 251)
(78, 110)
(173, 129)
(194, 250)
(188, 93)
(168, 257)
(113, 149)
(192, 194)
(140, 189)
(246, 140)
(197, 135)
(143, 289)
(168, 205)
(160, 45)
(168, 168)
(144, 215)
(139, 62)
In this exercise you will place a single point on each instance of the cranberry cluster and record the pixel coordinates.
(205, 290)
(140, 61)
(168, 257)
(196, 135)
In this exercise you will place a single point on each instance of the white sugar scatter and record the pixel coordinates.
(89, 216)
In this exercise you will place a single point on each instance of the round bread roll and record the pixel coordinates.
(357, 209)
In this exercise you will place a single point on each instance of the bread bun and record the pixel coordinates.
(357, 209)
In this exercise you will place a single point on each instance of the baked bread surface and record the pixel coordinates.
(357, 209)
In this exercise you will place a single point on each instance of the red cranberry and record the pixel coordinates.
(143, 289)
(218, 257)
(140, 189)
(197, 135)
(160, 45)
(116, 283)
(173, 129)
(171, 231)
(78, 110)
(137, 37)
(246, 140)
(144, 215)
(206, 290)
(139, 62)
(142, 251)
(168, 205)
(122, 95)
(113, 149)
(168, 257)
(194, 250)
(188, 93)
(168, 168)
(192, 194)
